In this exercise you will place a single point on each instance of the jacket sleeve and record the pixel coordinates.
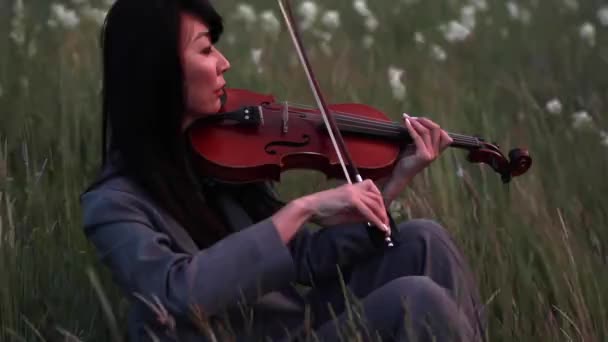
(240, 267)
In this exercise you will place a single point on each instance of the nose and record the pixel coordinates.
(223, 64)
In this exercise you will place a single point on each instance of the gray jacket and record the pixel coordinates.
(156, 263)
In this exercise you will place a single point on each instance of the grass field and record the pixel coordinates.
(523, 74)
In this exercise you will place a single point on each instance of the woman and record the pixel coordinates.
(203, 260)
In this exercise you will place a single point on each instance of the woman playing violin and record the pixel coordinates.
(199, 257)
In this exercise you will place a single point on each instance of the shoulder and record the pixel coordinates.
(116, 198)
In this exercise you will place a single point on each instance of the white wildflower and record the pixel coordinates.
(371, 23)
(513, 10)
(518, 13)
(438, 53)
(459, 171)
(602, 15)
(65, 17)
(331, 19)
(326, 48)
(246, 13)
(581, 119)
(270, 23)
(571, 4)
(18, 23)
(324, 37)
(604, 138)
(361, 8)
(368, 41)
(394, 79)
(94, 14)
(481, 5)
(467, 16)
(256, 56)
(308, 10)
(419, 38)
(587, 33)
(454, 31)
(554, 106)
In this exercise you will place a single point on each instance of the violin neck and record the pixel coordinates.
(396, 132)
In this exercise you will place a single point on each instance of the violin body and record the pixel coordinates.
(285, 139)
(253, 138)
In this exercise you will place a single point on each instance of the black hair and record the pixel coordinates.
(143, 103)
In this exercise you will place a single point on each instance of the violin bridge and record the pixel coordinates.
(285, 117)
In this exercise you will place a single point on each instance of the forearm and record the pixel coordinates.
(392, 187)
(292, 217)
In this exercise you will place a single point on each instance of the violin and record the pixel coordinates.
(254, 138)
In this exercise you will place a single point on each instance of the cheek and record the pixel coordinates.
(200, 82)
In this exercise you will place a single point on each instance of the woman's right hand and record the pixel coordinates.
(349, 203)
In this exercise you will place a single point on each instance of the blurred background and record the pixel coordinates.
(528, 74)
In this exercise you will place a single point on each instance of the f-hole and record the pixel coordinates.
(269, 147)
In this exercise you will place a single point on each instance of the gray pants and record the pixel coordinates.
(419, 290)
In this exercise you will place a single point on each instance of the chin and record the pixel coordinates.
(217, 106)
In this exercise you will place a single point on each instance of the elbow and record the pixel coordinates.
(173, 294)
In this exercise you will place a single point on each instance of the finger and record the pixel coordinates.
(436, 140)
(367, 186)
(376, 205)
(424, 133)
(435, 133)
(371, 186)
(371, 216)
(446, 140)
(379, 200)
(413, 133)
(428, 123)
(372, 192)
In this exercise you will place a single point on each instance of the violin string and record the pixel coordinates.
(347, 117)
(371, 121)
(382, 130)
(354, 124)
(387, 128)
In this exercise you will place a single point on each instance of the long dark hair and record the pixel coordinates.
(143, 104)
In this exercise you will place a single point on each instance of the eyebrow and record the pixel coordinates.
(201, 34)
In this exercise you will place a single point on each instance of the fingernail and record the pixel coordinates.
(405, 115)
(386, 228)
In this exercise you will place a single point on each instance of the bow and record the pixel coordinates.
(349, 168)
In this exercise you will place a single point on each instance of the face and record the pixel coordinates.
(203, 66)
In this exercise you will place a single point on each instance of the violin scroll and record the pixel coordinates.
(518, 162)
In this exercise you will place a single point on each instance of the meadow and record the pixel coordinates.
(528, 74)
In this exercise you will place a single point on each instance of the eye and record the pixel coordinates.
(206, 50)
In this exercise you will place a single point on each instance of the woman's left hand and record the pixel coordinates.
(429, 141)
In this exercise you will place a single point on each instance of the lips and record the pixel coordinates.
(220, 90)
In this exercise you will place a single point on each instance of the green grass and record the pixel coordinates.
(539, 245)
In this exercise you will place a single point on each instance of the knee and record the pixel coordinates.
(427, 309)
(409, 296)
(417, 292)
